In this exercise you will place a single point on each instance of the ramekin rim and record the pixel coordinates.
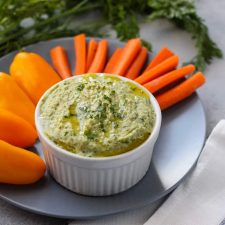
(60, 150)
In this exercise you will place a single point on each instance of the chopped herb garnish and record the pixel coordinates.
(102, 111)
(112, 109)
(107, 98)
(118, 115)
(80, 87)
(90, 135)
(115, 125)
(97, 116)
(83, 109)
(102, 127)
(113, 92)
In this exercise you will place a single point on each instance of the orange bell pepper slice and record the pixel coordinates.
(33, 74)
(15, 100)
(16, 130)
(19, 166)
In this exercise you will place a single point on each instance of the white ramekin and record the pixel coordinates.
(99, 176)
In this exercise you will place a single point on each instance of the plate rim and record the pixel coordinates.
(138, 205)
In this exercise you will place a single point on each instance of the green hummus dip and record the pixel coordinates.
(97, 116)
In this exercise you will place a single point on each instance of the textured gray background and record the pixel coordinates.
(159, 33)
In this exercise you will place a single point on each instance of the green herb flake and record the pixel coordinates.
(107, 98)
(113, 92)
(90, 135)
(118, 115)
(80, 87)
(83, 109)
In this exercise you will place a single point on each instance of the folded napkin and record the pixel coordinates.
(200, 199)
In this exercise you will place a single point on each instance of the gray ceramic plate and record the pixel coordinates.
(179, 144)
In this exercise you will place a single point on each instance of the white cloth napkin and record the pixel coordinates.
(200, 199)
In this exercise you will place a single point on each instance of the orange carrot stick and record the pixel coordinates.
(99, 60)
(159, 70)
(128, 54)
(80, 52)
(181, 91)
(163, 54)
(112, 61)
(169, 78)
(137, 65)
(60, 61)
(92, 47)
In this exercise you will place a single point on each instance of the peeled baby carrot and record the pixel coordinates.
(19, 166)
(137, 65)
(14, 99)
(181, 91)
(128, 55)
(80, 52)
(159, 70)
(16, 130)
(91, 51)
(60, 61)
(99, 60)
(112, 61)
(169, 78)
(163, 54)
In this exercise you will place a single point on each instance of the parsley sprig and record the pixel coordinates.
(57, 18)
(183, 14)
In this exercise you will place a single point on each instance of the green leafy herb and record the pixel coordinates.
(90, 135)
(107, 98)
(183, 14)
(118, 115)
(123, 15)
(113, 92)
(123, 18)
(83, 109)
(26, 22)
(80, 87)
(102, 111)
